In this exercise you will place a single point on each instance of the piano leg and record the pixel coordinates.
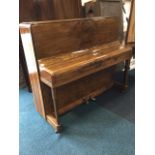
(127, 67)
(124, 86)
(58, 127)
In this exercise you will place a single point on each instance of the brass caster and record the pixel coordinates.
(58, 129)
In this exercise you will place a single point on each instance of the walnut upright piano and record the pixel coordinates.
(71, 61)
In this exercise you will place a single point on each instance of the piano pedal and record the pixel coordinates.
(86, 100)
(93, 99)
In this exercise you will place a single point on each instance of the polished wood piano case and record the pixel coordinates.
(71, 61)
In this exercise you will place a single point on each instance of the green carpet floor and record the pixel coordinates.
(104, 127)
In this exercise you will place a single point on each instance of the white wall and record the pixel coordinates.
(84, 1)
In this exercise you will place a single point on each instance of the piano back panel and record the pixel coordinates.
(62, 36)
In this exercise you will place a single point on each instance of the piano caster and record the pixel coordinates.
(86, 100)
(58, 129)
(124, 89)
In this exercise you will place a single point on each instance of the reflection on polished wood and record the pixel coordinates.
(71, 61)
(65, 68)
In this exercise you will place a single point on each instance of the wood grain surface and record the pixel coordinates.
(64, 68)
(63, 36)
